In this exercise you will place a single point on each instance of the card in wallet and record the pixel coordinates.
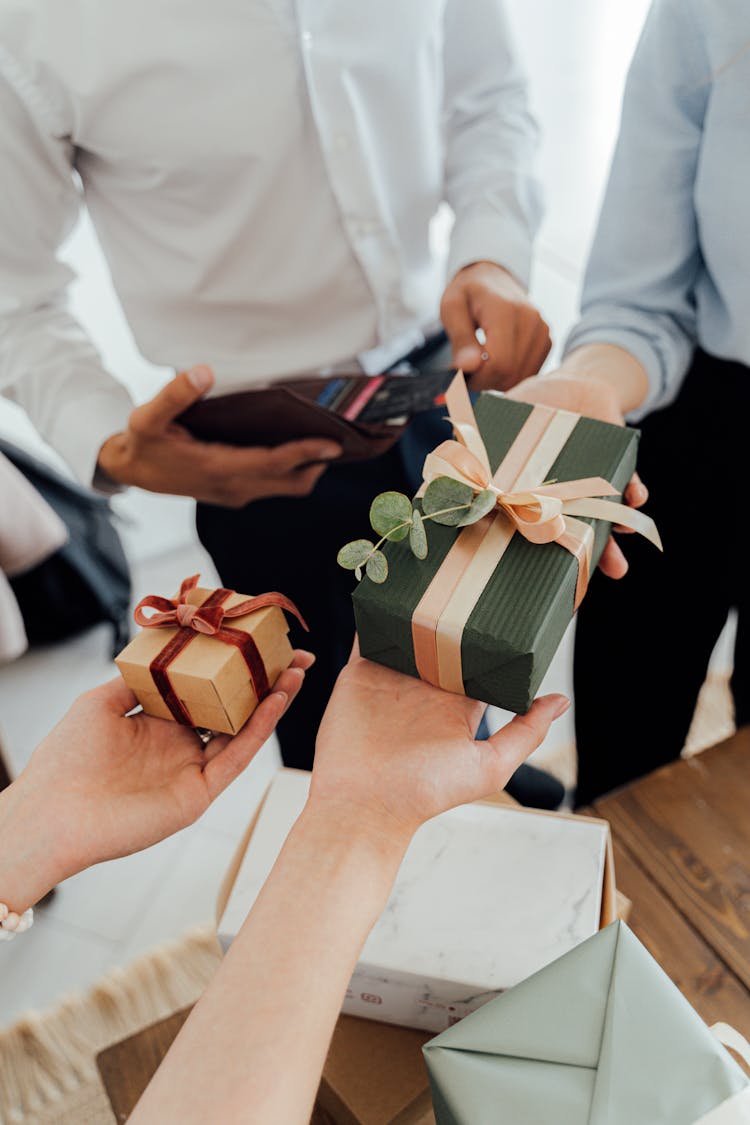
(335, 407)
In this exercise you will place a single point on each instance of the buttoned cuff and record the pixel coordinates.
(484, 235)
(81, 427)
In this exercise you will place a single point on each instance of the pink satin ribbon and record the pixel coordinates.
(542, 513)
(206, 619)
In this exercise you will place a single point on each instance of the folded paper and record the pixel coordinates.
(599, 1037)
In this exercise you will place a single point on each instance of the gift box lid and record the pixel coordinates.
(486, 894)
(599, 1037)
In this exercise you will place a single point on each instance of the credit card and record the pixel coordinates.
(330, 391)
(360, 401)
(405, 395)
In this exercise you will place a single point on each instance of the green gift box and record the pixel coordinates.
(510, 635)
(599, 1037)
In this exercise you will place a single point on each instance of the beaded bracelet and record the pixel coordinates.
(12, 923)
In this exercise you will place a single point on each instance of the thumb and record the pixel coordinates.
(235, 754)
(292, 455)
(154, 416)
(459, 323)
(115, 696)
(514, 743)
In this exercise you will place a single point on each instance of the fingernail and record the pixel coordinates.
(201, 377)
(281, 696)
(328, 452)
(561, 706)
(466, 357)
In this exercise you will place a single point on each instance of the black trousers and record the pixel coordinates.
(643, 643)
(290, 544)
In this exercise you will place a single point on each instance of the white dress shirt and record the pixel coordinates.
(262, 177)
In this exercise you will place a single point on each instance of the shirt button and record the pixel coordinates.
(307, 38)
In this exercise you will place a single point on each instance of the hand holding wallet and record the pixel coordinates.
(365, 414)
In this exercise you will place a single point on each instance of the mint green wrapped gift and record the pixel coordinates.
(599, 1037)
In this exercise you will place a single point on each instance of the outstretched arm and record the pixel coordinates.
(392, 753)
(490, 146)
(104, 784)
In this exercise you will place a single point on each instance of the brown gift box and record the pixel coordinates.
(209, 677)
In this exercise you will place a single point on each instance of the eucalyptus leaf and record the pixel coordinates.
(358, 573)
(377, 567)
(447, 500)
(390, 515)
(483, 503)
(355, 554)
(418, 535)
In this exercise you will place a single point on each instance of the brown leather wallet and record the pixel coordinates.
(286, 411)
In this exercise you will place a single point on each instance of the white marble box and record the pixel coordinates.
(486, 896)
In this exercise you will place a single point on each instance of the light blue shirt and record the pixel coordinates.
(670, 265)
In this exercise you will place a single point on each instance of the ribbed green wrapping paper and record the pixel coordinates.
(523, 612)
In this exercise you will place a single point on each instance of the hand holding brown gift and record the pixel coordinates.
(207, 658)
(105, 784)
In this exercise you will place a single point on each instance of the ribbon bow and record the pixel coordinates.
(203, 619)
(537, 513)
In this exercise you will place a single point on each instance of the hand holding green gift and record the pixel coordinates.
(483, 610)
(459, 491)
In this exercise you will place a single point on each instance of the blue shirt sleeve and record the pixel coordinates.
(639, 289)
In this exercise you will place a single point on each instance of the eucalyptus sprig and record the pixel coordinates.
(394, 518)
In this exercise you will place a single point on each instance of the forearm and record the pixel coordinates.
(31, 856)
(50, 368)
(47, 362)
(638, 297)
(254, 1047)
(491, 141)
(613, 366)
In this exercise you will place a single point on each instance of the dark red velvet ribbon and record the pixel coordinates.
(208, 619)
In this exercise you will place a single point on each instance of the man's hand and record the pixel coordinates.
(594, 398)
(484, 295)
(159, 455)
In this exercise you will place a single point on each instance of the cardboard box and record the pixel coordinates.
(210, 677)
(446, 944)
(518, 621)
(375, 1075)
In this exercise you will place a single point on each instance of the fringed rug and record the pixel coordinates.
(48, 1072)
